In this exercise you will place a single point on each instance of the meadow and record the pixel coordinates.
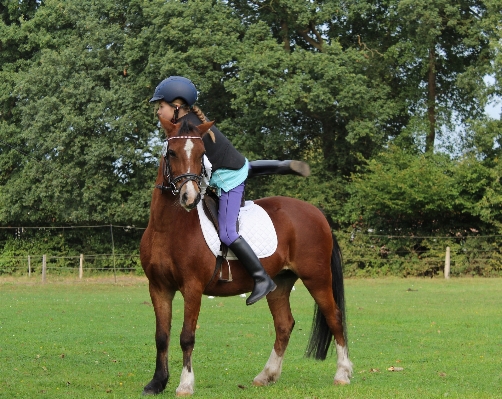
(94, 339)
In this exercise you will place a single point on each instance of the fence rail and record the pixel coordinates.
(111, 248)
(58, 250)
(372, 255)
(45, 265)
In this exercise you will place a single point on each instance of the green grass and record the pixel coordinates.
(94, 339)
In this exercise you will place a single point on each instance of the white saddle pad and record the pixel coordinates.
(255, 226)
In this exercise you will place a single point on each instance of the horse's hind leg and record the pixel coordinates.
(278, 302)
(326, 287)
(332, 322)
(344, 365)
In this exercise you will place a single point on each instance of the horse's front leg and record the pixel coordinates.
(187, 342)
(162, 301)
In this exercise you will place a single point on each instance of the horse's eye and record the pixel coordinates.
(171, 153)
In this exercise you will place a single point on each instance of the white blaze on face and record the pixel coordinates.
(190, 188)
(188, 150)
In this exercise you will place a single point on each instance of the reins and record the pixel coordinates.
(172, 181)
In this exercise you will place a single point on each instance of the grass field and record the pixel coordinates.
(94, 339)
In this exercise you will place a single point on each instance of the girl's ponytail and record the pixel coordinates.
(197, 111)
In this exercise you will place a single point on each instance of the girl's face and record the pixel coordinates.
(165, 110)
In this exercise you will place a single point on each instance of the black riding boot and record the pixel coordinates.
(263, 284)
(268, 167)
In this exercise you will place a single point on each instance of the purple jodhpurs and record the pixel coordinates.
(228, 212)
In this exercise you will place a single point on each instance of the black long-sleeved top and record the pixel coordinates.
(221, 153)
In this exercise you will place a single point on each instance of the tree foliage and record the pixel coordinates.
(360, 90)
(401, 193)
(81, 142)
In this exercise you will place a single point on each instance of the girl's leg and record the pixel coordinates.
(271, 167)
(228, 212)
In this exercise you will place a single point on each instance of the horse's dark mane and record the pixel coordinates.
(186, 128)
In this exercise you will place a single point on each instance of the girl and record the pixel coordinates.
(176, 96)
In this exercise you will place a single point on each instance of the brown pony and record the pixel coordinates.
(306, 250)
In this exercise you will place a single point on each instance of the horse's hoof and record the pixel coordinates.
(153, 388)
(184, 393)
(149, 392)
(263, 381)
(341, 382)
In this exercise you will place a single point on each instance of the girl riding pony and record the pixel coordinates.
(176, 97)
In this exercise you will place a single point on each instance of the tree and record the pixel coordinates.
(434, 54)
(297, 87)
(401, 193)
(14, 55)
(330, 82)
(83, 144)
(82, 140)
(197, 39)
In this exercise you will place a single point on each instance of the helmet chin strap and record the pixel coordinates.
(177, 108)
(176, 112)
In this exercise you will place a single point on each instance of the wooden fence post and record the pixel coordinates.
(113, 254)
(447, 264)
(44, 267)
(81, 268)
(29, 266)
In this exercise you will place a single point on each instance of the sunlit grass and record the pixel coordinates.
(92, 339)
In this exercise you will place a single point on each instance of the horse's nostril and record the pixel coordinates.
(196, 200)
(184, 197)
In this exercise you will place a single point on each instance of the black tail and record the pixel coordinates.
(320, 335)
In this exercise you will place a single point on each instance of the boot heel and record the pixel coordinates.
(263, 284)
(260, 292)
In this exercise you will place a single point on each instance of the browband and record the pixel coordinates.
(184, 137)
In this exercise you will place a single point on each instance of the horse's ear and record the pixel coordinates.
(168, 126)
(203, 128)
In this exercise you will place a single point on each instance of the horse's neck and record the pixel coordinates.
(165, 211)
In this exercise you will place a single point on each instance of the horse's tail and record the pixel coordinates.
(320, 335)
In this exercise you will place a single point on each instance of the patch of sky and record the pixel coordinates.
(494, 107)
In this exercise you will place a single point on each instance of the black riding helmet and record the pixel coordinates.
(175, 87)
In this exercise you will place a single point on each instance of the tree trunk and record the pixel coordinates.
(329, 145)
(431, 101)
(285, 36)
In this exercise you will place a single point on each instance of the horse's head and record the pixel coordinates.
(183, 165)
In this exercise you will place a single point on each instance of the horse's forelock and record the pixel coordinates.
(187, 128)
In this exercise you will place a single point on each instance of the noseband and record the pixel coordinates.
(171, 181)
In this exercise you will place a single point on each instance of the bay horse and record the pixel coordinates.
(175, 257)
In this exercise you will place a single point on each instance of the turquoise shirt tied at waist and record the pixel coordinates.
(226, 179)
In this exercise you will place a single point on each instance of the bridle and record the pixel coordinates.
(170, 181)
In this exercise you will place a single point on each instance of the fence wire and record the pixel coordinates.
(114, 248)
(103, 248)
